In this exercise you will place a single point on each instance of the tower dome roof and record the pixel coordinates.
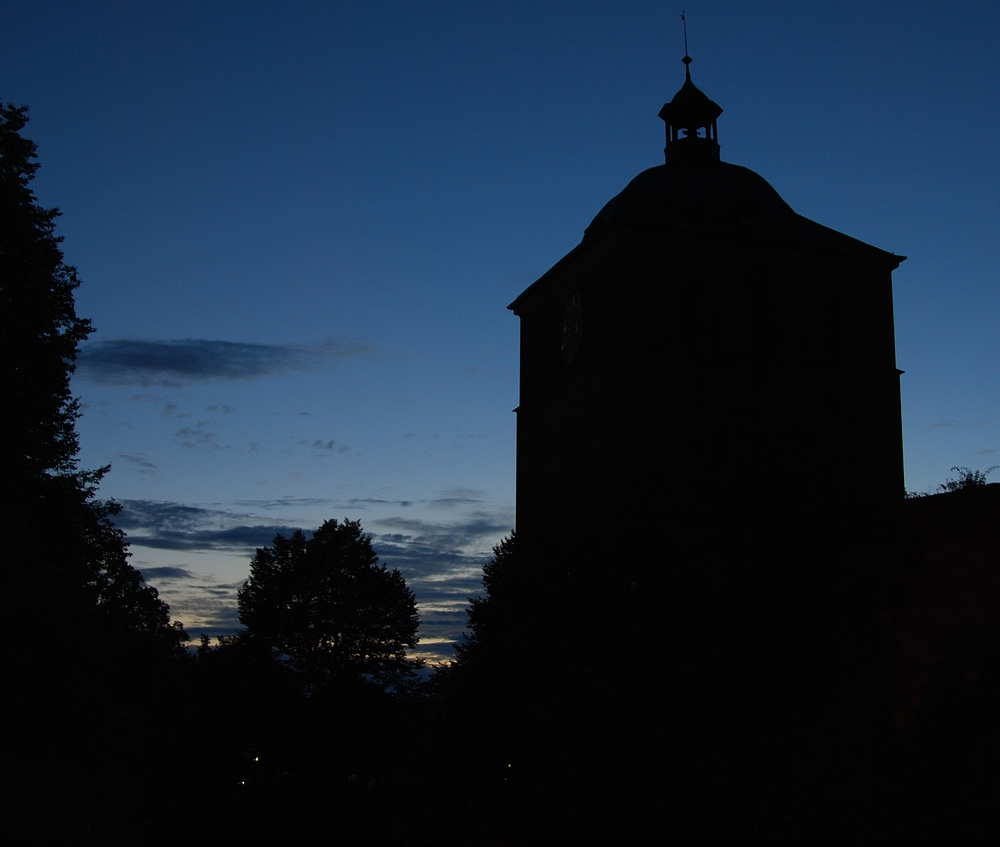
(721, 198)
(694, 191)
(713, 194)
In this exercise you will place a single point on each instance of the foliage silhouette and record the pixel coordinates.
(488, 620)
(966, 479)
(41, 330)
(65, 578)
(125, 604)
(328, 605)
(90, 663)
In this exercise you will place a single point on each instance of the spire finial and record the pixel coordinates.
(690, 118)
(687, 59)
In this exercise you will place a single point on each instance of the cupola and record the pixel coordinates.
(690, 118)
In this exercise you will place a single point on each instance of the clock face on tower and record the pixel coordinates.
(572, 324)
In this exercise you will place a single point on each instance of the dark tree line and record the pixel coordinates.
(66, 578)
(90, 654)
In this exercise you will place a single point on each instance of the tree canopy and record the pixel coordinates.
(328, 604)
(40, 329)
(491, 616)
(966, 479)
(65, 576)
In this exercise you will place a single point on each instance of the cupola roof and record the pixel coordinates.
(690, 118)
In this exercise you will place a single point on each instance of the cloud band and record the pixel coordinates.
(174, 363)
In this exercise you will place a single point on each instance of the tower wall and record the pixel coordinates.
(718, 382)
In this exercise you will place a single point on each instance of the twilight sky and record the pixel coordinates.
(299, 225)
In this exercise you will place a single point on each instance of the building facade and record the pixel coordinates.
(706, 362)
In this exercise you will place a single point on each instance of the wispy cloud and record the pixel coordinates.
(364, 502)
(199, 436)
(164, 573)
(321, 444)
(197, 600)
(175, 526)
(174, 363)
(171, 410)
(431, 551)
(457, 497)
(288, 502)
(139, 462)
(207, 608)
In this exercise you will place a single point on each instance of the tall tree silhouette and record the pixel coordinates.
(65, 577)
(327, 604)
(492, 618)
(40, 329)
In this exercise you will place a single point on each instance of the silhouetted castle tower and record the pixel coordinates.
(705, 360)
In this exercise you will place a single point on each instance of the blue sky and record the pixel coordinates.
(299, 225)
